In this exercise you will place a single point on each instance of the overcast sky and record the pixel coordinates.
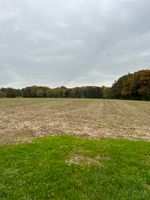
(72, 42)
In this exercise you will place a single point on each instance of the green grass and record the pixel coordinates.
(42, 170)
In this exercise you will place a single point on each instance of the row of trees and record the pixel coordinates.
(131, 86)
(60, 92)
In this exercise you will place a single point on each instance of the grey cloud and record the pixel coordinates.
(68, 42)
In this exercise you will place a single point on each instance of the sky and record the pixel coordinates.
(72, 42)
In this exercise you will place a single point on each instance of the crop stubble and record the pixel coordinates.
(24, 119)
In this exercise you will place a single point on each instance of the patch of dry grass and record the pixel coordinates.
(79, 159)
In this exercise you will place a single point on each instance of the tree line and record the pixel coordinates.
(59, 92)
(131, 86)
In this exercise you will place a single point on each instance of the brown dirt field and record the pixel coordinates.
(24, 119)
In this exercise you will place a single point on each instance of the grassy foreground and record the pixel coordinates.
(72, 168)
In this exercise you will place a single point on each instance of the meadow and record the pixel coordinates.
(74, 149)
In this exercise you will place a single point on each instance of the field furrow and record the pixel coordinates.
(24, 119)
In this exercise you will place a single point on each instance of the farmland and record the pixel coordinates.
(24, 119)
(43, 156)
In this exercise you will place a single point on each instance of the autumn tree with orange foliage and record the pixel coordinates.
(133, 86)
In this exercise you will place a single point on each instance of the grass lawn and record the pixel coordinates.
(72, 168)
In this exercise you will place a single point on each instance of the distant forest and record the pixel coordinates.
(134, 86)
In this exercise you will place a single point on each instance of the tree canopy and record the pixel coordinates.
(130, 86)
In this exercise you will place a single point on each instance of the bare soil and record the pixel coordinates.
(24, 119)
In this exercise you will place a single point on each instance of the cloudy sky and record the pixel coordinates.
(72, 42)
